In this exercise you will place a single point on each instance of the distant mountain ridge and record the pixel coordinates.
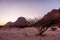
(20, 22)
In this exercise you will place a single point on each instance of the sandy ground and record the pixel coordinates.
(28, 34)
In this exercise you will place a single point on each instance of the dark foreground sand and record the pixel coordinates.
(28, 34)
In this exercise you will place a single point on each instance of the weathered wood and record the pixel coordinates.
(49, 19)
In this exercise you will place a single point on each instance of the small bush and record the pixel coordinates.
(53, 29)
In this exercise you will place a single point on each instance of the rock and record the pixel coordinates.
(30, 31)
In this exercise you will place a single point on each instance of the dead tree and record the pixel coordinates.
(49, 19)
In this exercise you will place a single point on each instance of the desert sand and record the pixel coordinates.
(28, 33)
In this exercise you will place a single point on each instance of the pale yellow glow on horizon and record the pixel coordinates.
(2, 23)
(6, 21)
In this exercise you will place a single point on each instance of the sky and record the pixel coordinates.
(10, 10)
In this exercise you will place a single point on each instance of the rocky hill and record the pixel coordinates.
(20, 22)
(52, 17)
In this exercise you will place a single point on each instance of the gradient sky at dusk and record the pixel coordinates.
(10, 10)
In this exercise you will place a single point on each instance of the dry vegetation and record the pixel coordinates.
(50, 19)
